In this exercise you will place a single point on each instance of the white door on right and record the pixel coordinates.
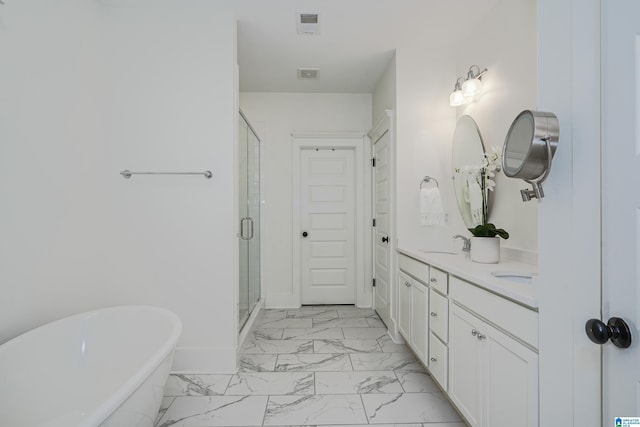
(382, 213)
(621, 203)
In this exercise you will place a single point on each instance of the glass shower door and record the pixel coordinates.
(249, 198)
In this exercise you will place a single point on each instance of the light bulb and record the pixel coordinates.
(471, 88)
(456, 98)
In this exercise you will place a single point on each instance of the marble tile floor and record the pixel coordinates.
(332, 366)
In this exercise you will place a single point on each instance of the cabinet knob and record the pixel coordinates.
(476, 333)
(434, 314)
(433, 359)
(407, 284)
(433, 280)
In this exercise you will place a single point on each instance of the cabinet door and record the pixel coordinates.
(404, 306)
(465, 361)
(419, 304)
(510, 383)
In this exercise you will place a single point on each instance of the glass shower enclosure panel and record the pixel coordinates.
(249, 197)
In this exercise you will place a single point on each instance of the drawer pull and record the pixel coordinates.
(433, 359)
(434, 314)
(481, 336)
(433, 280)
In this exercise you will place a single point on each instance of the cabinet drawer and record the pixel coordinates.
(520, 322)
(439, 315)
(438, 361)
(415, 268)
(438, 280)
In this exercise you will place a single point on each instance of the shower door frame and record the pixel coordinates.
(249, 224)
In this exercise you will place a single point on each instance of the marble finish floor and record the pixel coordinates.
(315, 366)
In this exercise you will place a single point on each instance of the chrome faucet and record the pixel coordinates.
(466, 245)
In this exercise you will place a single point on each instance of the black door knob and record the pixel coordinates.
(305, 234)
(385, 239)
(615, 330)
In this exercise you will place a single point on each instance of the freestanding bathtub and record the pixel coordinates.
(106, 367)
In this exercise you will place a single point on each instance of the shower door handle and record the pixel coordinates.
(242, 229)
(250, 228)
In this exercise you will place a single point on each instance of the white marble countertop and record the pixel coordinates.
(479, 274)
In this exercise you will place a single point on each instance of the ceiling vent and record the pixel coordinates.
(308, 73)
(308, 23)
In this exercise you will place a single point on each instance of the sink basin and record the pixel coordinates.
(514, 276)
(438, 251)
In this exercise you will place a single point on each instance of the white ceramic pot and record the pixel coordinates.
(485, 249)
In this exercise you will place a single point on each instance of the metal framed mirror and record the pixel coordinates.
(467, 155)
(529, 148)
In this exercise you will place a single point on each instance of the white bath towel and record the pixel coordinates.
(475, 200)
(431, 207)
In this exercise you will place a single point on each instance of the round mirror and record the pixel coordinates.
(529, 147)
(467, 156)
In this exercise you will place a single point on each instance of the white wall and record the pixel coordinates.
(98, 87)
(424, 130)
(384, 94)
(51, 149)
(505, 44)
(275, 116)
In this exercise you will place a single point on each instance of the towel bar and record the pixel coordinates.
(428, 179)
(127, 173)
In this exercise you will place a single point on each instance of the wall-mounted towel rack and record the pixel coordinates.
(429, 179)
(127, 173)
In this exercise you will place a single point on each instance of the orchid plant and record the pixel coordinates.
(484, 177)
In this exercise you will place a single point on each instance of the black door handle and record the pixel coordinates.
(385, 239)
(305, 234)
(615, 330)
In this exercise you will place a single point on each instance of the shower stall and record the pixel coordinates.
(249, 233)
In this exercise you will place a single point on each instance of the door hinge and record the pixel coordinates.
(374, 282)
(374, 222)
(373, 162)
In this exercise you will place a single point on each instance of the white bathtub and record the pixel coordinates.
(106, 367)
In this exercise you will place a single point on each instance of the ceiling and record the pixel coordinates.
(356, 41)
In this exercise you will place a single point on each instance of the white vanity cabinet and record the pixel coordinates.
(493, 368)
(413, 302)
(479, 345)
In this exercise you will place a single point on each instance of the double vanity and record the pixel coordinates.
(474, 325)
(475, 328)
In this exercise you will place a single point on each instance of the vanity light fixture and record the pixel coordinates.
(467, 92)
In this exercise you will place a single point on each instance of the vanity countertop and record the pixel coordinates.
(460, 266)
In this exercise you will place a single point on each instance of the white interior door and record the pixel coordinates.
(382, 208)
(621, 203)
(328, 226)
